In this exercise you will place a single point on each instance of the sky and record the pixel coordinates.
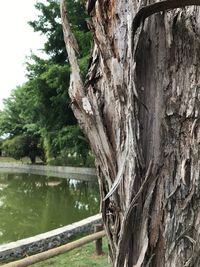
(17, 41)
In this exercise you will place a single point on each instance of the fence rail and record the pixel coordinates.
(55, 251)
(43, 242)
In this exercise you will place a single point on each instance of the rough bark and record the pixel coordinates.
(140, 108)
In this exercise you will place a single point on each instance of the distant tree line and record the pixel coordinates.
(37, 120)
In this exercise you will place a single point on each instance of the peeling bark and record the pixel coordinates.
(140, 108)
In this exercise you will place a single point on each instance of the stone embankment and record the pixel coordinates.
(57, 171)
(42, 242)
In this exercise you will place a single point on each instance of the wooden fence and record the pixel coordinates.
(59, 250)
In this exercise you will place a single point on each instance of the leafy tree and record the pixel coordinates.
(1, 144)
(70, 141)
(47, 83)
(49, 79)
(49, 24)
(17, 122)
(23, 146)
(42, 107)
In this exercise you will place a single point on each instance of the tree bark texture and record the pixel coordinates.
(140, 109)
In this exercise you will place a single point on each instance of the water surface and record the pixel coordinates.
(32, 204)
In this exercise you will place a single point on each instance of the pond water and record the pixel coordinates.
(32, 204)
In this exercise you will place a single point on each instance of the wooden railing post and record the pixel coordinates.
(98, 242)
(55, 251)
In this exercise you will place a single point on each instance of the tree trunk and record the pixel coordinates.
(140, 109)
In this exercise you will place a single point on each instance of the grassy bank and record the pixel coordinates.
(81, 257)
(67, 161)
(8, 159)
(22, 161)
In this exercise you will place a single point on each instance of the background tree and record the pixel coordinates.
(140, 110)
(42, 107)
(17, 123)
(22, 146)
(49, 78)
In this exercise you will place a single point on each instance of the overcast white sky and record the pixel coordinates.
(16, 42)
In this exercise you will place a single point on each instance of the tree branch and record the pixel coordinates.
(149, 10)
(76, 85)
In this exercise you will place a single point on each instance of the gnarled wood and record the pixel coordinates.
(140, 109)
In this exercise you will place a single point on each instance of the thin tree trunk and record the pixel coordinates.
(140, 109)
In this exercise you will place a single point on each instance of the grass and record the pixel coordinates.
(60, 161)
(81, 257)
(24, 160)
(8, 159)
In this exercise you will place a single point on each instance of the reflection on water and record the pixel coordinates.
(32, 204)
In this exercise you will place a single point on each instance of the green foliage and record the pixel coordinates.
(1, 144)
(17, 122)
(41, 107)
(77, 15)
(18, 114)
(10, 118)
(49, 24)
(47, 84)
(67, 147)
(83, 62)
(21, 146)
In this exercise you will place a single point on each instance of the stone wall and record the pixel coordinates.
(39, 243)
(58, 171)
